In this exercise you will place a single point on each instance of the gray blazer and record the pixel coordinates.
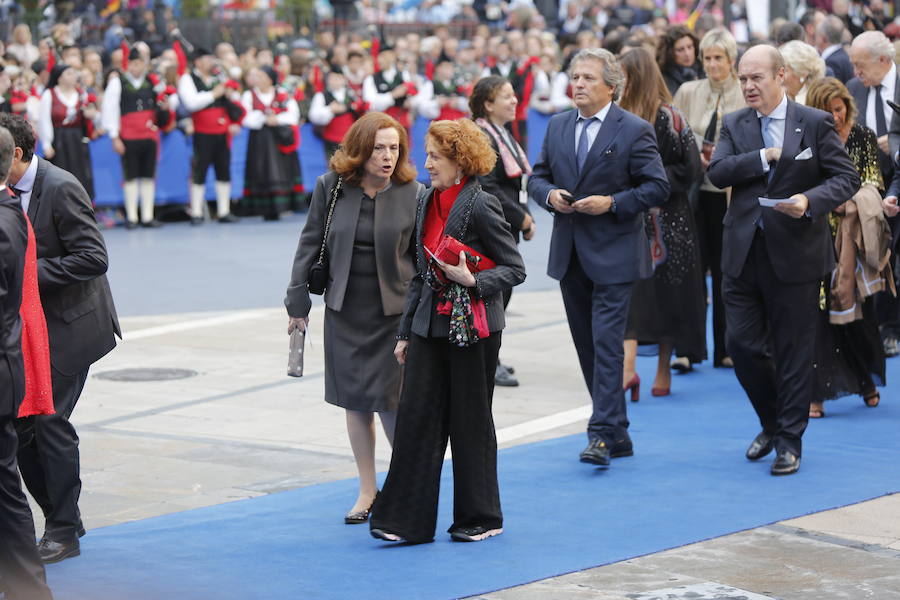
(488, 233)
(395, 216)
(72, 263)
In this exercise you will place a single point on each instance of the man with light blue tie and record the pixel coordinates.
(774, 257)
(599, 170)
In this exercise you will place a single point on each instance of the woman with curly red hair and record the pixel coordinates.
(449, 339)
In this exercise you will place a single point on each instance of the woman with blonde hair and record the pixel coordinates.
(802, 67)
(449, 339)
(362, 217)
(703, 104)
(668, 308)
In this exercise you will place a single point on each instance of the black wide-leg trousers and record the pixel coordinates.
(447, 393)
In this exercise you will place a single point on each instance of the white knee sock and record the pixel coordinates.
(223, 198)
(198, 191)
(148, 198)
(130, 191)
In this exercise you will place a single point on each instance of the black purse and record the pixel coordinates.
(317, 280)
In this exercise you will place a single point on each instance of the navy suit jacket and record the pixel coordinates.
(840, 65)
(801, 250)
(860, 95)
(13, 240)
(624, 163)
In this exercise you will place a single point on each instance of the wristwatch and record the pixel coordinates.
(612, 205)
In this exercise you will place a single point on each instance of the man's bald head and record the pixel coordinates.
(768, 54)
(761, 73)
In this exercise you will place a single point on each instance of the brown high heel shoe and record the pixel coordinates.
(872, 399)
(634, 384)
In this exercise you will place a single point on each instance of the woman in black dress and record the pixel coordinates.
(669, 308)
(493, 105)
(65, 119)
(367, 202)
(272, 183)
(850, 356)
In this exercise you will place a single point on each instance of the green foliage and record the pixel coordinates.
(296, 12)
(195, 9)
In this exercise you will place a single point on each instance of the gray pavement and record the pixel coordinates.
(208, 299)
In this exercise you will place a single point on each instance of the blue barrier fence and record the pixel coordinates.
(174, 170)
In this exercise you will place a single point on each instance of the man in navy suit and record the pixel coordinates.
(829, 43)
(773, 258)
(599, 170)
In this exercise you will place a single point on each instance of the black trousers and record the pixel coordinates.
(49, 459)
(22, 574)
(771, 339)
(139, 160)
(211, 150)
(447, 392)
(710, 212)
(597, 316)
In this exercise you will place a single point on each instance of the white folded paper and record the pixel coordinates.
(770, 202)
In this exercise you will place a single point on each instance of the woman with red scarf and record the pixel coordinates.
(449, 340)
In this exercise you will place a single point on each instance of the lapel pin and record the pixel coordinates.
(797, 130)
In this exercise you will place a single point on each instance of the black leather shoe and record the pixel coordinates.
(621, 448)
(54, 552)
(130, 225)
(761, 445)
(196, 220)
(361, 516)
(785, 463)
(229, 218)
(151, 224)
(380, 534)
(596, 453)
(503, 377)
(474, 534)
(891, 347)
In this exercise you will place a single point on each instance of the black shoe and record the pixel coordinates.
(474, 534)
(503, 377)
(387, 536)
(761, 445)
(361, 516)
(54, 552)
(621, 448)
(151, 224)
(596, 453)
(229, 218)
(785, 463)
(891, 347)
(129, 225)
(682, 365)
(196, 220)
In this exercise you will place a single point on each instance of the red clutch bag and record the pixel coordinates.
(448, 251)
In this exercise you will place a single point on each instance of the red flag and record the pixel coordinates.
(376, 48)
(429, 70)
(181, 56)
(51, 60)
(125, 52)
(317, 79)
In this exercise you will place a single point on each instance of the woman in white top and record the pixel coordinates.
(272, 181)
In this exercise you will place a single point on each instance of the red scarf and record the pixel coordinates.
(35, 340)
(438, 211)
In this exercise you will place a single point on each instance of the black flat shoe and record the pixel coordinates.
(504, 377)
(54, 552)
(785, 463)
(621, 448)
(151, 224)
(361, 516)
(474, 534)
(229, 218)
(596, 453)
(761, 445)
(682, 365)
(196, 221)
(379, 534)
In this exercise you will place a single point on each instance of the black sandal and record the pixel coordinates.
(872, 399)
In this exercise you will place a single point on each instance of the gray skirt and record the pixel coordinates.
(361, 372)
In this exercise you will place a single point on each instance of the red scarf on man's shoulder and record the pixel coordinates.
(35, 340)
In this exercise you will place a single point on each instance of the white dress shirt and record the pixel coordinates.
(26, 184)
(593, 128)
(888, 85)
(776, 129)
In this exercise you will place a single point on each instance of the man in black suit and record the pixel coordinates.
(81, 322)
(599, 170)
(876, 82)
(21, 571)
(829, 43)
(773, 258)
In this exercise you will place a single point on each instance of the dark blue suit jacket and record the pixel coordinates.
(840, 65)
(801, 250)
(13, 240)
(623, 163)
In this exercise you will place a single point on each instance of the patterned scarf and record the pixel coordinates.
(512, 166)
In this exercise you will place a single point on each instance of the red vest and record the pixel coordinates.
(137, 108)
(338, 127)
(212, 120)
(59, 112)
(278, 106)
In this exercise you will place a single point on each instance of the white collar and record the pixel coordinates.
(830, 50)
(890, 77)
(135, 82)
(26, 183)
(780, 111)
(601, 114)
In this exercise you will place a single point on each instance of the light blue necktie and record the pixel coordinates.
(581, 152)
(768, 142)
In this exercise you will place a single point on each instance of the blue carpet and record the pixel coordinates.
(687, 482)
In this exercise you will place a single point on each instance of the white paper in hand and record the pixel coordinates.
(770, 202)
(295, 353)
